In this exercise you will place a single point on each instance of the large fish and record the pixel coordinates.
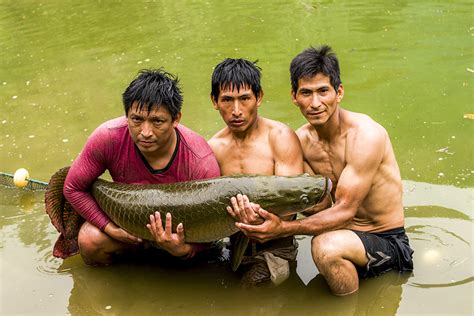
(200, 205)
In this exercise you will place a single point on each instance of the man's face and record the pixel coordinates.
(317, 98)
(238, 108)
(151, 130)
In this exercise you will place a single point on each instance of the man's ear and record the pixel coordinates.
(340, 93)
(214, 101)
(177, 119)
(293, 97)
(260, 97)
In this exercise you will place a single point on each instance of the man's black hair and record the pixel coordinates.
(312, 61)
(236, 74)
(154, 87)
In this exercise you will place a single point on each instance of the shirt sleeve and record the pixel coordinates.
(88, 166)
(206, 168)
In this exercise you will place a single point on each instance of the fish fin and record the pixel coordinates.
(63, 217)
(238, 249)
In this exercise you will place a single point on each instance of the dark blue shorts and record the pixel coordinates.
(386, 251)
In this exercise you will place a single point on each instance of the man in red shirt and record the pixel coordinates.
(146, 146)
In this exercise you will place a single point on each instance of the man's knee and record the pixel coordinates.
(92, 243)
(324, 250)
(332, 247)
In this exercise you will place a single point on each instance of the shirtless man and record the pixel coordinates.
(362, 234)
(251, 144)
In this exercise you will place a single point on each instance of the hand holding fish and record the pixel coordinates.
(174, 243)
(271, 228)
(242, 210)
(121, 234)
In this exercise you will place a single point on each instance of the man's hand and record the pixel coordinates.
(242, 210)
(173, 243)
(120, 234)
(254, 221)
(271, 228)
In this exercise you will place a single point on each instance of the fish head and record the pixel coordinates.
(288, 195)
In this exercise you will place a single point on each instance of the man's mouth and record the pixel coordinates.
(237, 122)
(314, 113)
(146, 143)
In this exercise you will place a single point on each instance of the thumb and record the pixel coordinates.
(265, 214)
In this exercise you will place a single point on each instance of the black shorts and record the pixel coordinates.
(386, 251)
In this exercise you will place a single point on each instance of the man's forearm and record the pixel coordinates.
(321, 222)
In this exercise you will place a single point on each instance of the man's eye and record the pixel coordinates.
(136, 119)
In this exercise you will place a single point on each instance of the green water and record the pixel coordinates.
(409, 65)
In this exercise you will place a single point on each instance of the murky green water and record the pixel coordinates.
(408, 64)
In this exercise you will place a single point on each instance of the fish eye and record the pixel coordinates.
(304, 198)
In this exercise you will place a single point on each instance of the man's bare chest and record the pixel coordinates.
(325, 160)
(252, 159)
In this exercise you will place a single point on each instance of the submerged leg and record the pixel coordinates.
(336, 255)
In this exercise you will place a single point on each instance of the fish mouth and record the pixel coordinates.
(328, 186)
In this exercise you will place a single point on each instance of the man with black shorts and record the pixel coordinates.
(362, 234)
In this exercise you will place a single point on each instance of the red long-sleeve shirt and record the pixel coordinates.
(110, 147)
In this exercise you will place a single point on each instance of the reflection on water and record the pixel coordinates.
(215, 291)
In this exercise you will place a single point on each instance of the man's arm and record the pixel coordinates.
(88, 166)
(364, 153)
(287, 152)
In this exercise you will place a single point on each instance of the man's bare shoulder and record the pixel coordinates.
(363, 125)
(221, 138)
(278, 131)
(305, 132)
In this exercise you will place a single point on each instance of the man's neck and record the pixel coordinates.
(161, 157)
(332, 128)
(244, 136)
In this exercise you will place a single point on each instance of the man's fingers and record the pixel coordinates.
(152, 226)
(240, 201)
(168, 224)
(254, 206)
(134, 239)
(265, 214)
(158, 223)
(230, 210)
(235, 205)
(180, 231)
(246, 227)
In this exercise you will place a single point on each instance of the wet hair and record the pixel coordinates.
(313, 61)
(236, 74)
(154, 87)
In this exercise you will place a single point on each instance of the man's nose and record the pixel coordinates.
(236, 109)
(146, 130)
(315, 101)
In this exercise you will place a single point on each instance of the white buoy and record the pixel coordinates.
(21, 178)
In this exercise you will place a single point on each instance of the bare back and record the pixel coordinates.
(269, 148)
(360, 161)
